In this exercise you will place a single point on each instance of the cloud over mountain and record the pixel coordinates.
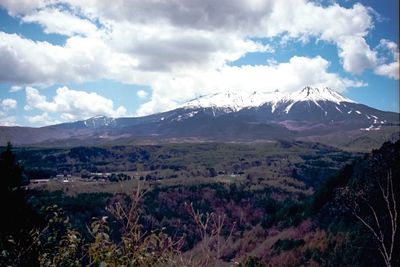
(71, 104)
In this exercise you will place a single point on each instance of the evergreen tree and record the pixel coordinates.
(17, 218)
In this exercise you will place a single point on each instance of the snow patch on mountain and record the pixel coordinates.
(372, 128)
(233, 101)
(314, 95)
(186, 116)
(99, 121)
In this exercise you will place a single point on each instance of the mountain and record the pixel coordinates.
(303, 111)
(235, 101)
(308, 113)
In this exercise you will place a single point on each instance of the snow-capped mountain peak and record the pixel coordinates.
(235, 101)
(317, 94)
(314, 95)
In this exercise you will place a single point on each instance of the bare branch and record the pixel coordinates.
(385, 243)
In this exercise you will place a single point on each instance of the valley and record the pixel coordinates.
(273, 160)
(276, 202)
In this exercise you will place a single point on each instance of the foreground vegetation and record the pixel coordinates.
(269, 213)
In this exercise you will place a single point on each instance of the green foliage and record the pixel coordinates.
(79, 209)
(135, 249)
(11, 172)
(286, 213)
(40, 173)
(84, 154)
(118, 177)
(325, 192)
(57, 244)
(287, 244)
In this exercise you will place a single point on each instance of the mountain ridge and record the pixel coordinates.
(260, 116)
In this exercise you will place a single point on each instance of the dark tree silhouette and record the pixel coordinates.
(17, 218)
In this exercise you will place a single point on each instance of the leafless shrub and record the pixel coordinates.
(213, 243)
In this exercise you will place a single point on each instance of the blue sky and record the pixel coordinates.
(67, 61)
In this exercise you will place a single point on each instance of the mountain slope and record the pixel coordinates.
(307, 113)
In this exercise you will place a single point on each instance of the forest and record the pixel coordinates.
(211, 204)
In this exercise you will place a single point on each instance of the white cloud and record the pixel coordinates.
(39, 119)
(356, 54)
(142, 94)
(302, 19)
(8, 103)
(22, 6)
(267, 18)
(390, 70)
(42, 119)
(5, 106)
(390, 46)
(15, 88)
(157, 36)
(80, 59)
(390, 51)
(7, 120)
(73, 105)
(162, 46)
(61, 22)
(288, 19)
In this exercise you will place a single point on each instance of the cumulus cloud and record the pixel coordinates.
(72, 104)
(356, 55)
(15, 88)
(5, 106)
(389, 51)
(158, 36)
(390, 70)
(8, 103)
(42, 119)
(257, 18)
(142, 94)
(7, 120)
(22, 6)
(39, 119)
(61, 22)
(80, 59)
(345, 27)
